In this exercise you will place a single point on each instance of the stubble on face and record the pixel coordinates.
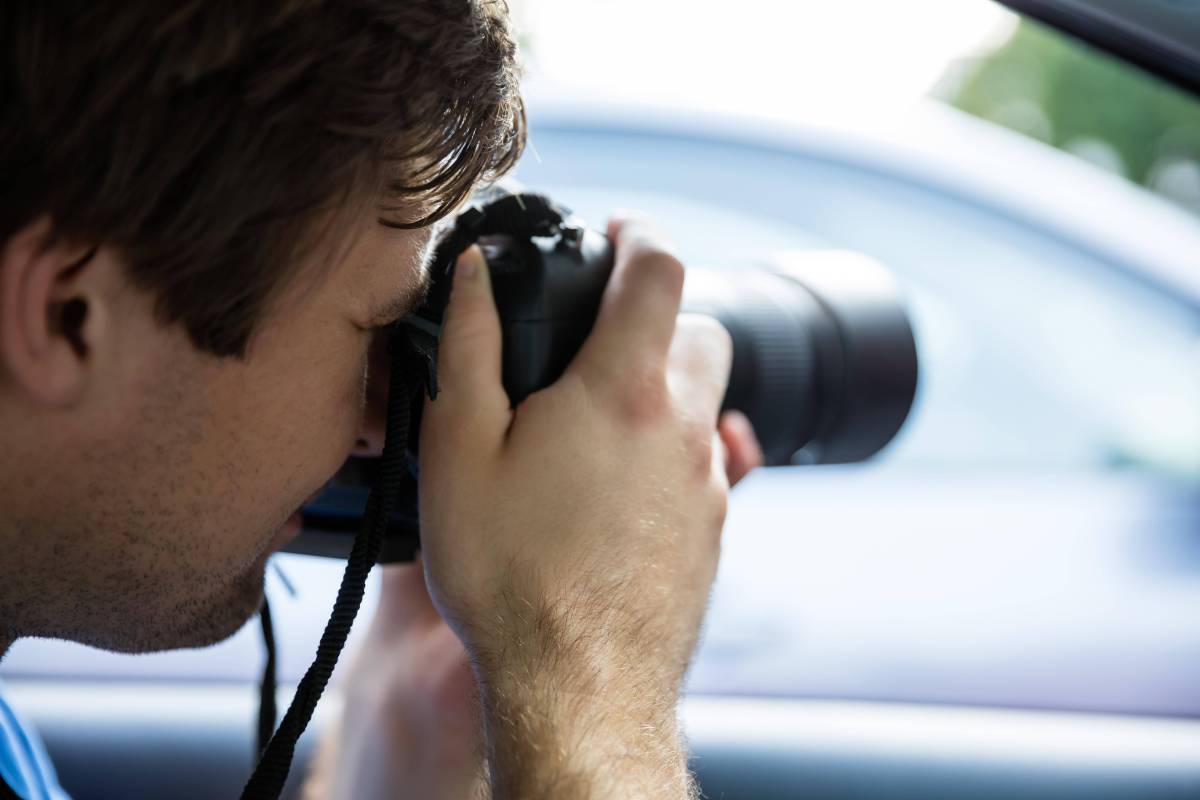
(144, 555)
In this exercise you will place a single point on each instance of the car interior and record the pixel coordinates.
(1005, 602)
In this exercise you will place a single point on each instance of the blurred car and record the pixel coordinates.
(1006, 603)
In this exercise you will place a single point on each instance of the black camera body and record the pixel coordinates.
(547, 291)
(824, 359)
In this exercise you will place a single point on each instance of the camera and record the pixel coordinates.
(824, 359)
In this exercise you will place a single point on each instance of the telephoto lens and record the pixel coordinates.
(824, 361)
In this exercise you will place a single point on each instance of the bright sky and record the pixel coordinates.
(778, 57)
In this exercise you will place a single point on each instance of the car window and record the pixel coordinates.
(1030, 537)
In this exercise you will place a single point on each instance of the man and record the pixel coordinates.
(209, 211)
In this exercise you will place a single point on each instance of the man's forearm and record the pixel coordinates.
(565, 714)
(546, 741)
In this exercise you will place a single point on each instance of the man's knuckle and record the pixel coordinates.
(718, 504)
(716, 337)
(665, 269)
(705, 337)
(643, 398)
(653, 266)
(698, 449)
(468, 332)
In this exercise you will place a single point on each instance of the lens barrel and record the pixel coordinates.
(824, 360)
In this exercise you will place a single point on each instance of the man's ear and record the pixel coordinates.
(51, 312)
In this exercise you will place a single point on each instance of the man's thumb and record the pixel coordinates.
(471, 398)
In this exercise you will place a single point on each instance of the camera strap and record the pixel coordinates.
(413, 346)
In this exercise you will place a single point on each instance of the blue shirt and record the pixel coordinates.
(24, 765)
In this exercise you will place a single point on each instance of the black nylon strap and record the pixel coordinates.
(267, 712)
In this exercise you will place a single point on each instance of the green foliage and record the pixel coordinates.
(1053, 87)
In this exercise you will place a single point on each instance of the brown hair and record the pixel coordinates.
(206, 139)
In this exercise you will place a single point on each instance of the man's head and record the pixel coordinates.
(205, 209)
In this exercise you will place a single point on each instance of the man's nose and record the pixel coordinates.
(369, 443)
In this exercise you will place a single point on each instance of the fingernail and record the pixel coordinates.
(469, 264)
(739, 419)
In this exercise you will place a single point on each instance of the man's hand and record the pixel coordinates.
(411, 718)
(572, 543)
